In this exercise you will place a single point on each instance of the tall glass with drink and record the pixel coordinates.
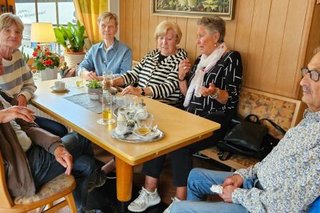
(107, 108)
(80, 81)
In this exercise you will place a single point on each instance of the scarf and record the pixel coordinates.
(205, 64)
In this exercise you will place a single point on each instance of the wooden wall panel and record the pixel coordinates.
(136, 28)
(271, 35)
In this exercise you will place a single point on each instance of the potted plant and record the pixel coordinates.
(71, 37)
(45, 61)
(94, 89)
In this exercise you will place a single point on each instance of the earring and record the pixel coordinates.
(215, 45)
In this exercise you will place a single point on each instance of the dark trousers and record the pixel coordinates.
(181, 165)
(51, 126)
(44, 167)
(224, 120)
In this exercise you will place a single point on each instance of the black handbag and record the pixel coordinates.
(249, 137)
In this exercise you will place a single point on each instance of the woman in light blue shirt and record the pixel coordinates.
(110, 54)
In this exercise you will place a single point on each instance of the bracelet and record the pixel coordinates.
(216, 94)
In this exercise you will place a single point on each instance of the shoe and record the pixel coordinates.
(174, 199)
(144, 200)
(199, 155)
(97, 179)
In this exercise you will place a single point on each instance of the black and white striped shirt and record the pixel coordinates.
(161, 77)
(225, 75)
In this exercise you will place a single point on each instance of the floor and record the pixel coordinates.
(104, 198)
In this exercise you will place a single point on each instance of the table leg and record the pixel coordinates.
(124, 173)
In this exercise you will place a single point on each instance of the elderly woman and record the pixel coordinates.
(15, 76)
(212, 86)
(156, 75)
(110, 54)
(211, 90)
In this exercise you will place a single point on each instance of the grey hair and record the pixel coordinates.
(214, 24)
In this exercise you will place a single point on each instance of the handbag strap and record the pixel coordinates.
(276, 126)
(252, 118)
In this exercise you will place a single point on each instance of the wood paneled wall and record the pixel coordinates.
(275, 38)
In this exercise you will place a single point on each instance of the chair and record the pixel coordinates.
(52, 196)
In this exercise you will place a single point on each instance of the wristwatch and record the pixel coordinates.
(142, 92)
(216, 94)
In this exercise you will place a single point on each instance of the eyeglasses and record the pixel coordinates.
(314, 75)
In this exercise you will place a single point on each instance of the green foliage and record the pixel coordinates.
(71, 37)
(94, 84)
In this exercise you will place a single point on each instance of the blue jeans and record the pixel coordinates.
(199, 183)
(51, 126)
(44, 167)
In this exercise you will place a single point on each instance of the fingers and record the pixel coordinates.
(64, 158)
(131, 90)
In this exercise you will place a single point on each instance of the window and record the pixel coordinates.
(43, 11)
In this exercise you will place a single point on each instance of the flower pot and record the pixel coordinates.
(49, 74)
(72, 59)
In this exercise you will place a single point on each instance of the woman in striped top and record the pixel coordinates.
(156, 75)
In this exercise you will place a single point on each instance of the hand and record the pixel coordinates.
(184, 68)
(64, 158)
(22, 100)
(14, 112)
(131, 90)
(229, 185)
(234, 180)
(208, 91)
(90, 75)
(227, 193)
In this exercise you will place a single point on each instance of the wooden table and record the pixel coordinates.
(180, 128)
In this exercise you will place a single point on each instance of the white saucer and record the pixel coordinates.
(53, 88)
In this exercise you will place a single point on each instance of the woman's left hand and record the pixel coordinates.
(208, 91)
(131, 90)
(22, 100)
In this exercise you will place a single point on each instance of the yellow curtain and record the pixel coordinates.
(87, 13)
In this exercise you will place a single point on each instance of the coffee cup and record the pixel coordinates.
(59, 85)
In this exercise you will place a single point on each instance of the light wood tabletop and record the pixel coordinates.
(180, 129)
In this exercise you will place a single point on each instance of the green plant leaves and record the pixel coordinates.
(71, 37)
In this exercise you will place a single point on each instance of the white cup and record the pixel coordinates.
(59, 85)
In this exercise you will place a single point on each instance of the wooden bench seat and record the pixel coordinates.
(283, 111)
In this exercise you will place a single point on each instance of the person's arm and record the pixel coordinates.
(64, 158)
(126, 61)
(28, 86)
(184, 69)
(14, 112)
(87, 66)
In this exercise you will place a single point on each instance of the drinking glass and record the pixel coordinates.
(144, 123)
(107, 79)
(80, 81)
(107, 109)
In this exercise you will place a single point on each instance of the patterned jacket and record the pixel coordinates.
(289, 175)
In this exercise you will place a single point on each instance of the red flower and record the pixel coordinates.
(44, 58)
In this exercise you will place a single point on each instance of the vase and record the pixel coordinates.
(49, 74)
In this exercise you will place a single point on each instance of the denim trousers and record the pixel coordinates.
(199, 183)
(44, 167)
(51, 126)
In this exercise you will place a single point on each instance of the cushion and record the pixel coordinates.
(56, 185)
